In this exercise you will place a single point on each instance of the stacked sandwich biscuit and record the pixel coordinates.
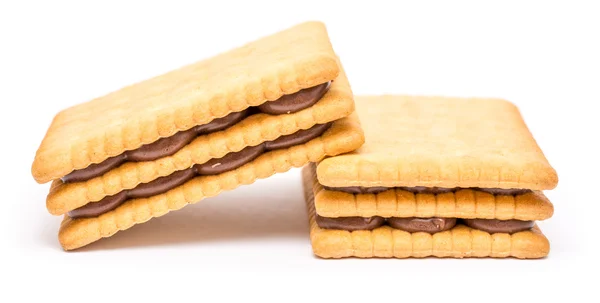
(443, 177)
(156, 146)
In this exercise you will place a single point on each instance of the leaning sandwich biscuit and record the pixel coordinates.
(160, 144)
(443, 177)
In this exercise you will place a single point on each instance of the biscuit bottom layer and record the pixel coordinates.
(229, 162)
(170, 145)
(428, 225)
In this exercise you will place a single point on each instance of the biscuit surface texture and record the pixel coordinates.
(387, 242)
(337, 103)
(443, 142)
(343, 136)
(260, 71)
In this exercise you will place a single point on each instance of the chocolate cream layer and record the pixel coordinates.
(229, 162)
(428, 190)
(170, 145)
(428, 225)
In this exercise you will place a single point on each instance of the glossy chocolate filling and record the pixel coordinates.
(170, 145)
(350, 223)
(229, 162)
(498, 226)
(428, 190)
(428, 225)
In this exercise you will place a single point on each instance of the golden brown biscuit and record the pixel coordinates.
(443, 142)
(386, 242)
(337, 103)
(343, 136)
(465, 203)
(192, 95)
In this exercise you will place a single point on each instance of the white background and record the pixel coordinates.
(254, 241)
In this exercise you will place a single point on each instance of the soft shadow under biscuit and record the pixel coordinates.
(240, 215)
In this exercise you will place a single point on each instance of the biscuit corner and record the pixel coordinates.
(530, 245)
(331, 244)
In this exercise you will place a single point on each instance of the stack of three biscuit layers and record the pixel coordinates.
(442, 177)
(156, 146)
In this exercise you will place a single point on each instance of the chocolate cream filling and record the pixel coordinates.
(428, 190)
(350, 223)
(498, 226)
(229, 162)
(170, 145)
(428, 225)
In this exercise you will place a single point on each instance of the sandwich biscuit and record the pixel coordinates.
(437, 176)
(155, 146)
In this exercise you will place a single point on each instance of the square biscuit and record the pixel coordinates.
(387, 242)
(440, 142)
(395, 202)
(260, 71)
(337, 103)
(344, 135)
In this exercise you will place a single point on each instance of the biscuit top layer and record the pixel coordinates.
(441, 142)
(261, 71)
